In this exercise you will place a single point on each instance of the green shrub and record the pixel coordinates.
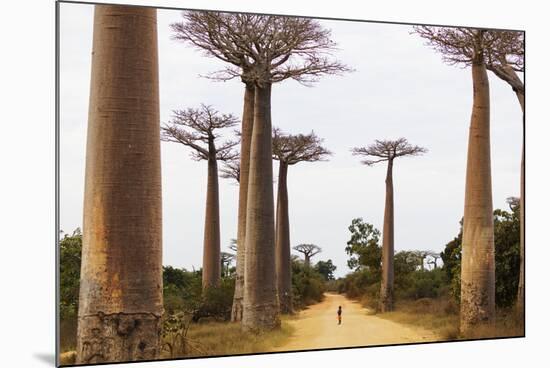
(308, 285)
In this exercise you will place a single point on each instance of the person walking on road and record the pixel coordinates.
(339, 315)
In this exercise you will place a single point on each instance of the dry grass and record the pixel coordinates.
(222, 338)
(442, 316)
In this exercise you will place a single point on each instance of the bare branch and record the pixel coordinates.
(196, 128)
(232, 169)
(387, 150)
(292, 149)
(261, 48)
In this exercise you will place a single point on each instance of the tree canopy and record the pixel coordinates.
(197, 129)
(261, 48)
(291, 149)
(387, 150)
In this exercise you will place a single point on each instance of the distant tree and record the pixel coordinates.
(198, 130)
(326, 268)
(289, 150)
(233, 245)
(226, 259)
(421, 256)
(363, 247)
(382, 151)
(70, 257)
(308, 250)
(434, 257)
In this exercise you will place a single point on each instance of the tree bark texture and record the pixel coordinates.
(120, 309)
(478, 249)
(211, 261)
(260, 302)
(246, 137)
(282, 243)
(386, 288)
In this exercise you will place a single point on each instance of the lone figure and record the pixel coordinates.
(339, 315)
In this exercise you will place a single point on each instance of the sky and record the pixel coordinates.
(400, 88)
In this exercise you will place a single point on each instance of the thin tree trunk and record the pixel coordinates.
(386, 289)
(120, 309)
(520, 302)
(260, 302)
(211, 259)
(246, 137)
(478, 249)
(282, 243)
(509, 75)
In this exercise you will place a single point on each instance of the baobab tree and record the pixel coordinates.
(472, 48)
(231, 169)
(226, 259)
(421, 255)
(309, 251)
(198, 130)
(382, 151)
(120, 303)
(260, 50)
(289, 150)
(506, 59)
(434, 257)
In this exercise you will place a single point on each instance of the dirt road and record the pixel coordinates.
(317, 327)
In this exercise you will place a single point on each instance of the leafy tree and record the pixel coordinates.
(308, 285)
(363, 247)
(326, 268)
(507, 257)
(70, 250)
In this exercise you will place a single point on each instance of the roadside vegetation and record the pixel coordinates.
(427, 284)
(196, 319)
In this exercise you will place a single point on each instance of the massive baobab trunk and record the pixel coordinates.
(386, 288)
(478, 263)
(120, 308)
(246, 137)
(282, 243)
(211, 261)
(260, 302)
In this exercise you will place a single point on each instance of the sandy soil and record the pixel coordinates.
(317, 327)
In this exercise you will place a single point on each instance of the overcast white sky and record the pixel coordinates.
(400, 89)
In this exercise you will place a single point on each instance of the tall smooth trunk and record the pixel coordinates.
(120, 308)
(282, 243)
(478, 249)
(260, 302)
(211, 261)
(386, 289)
(246, 137)
(520, 301)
